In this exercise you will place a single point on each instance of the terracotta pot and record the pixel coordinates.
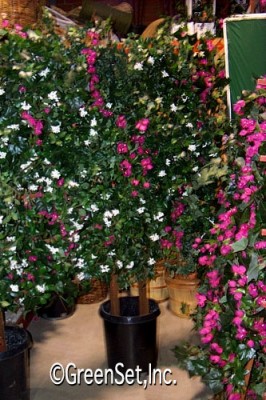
(182, 294)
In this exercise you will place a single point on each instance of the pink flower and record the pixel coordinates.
(146, 164)
(250, 343)
(215, 347)
(225, 249)
(238, 107)
(146, 185)
(33, 258)
(135, 182)
(122, 148)
(126, 168)
(142, 124)
(121, 122)
(215, 359)
(238, 269)
(201, 299)
(60, 182)
(5, 23)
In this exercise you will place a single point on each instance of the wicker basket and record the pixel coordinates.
(98, 292)
(23, 12)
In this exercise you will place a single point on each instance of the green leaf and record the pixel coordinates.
(253, 270)
(240, 245)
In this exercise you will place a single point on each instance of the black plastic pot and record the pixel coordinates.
(57, 309)
(14, 365)
(131, 338)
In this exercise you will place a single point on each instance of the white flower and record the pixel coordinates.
(10, 238)
(48, 181)
(46, 162)
(173, 107)
(107, 214)
(25, 166)
(189, 125)
(2, 154)
(14, 288)
(2, 91)
(81, 276)
(107, 222)
(33, 188)
(87, 142)
(53, 96)
(93, 257)
(72, 184)
(119, 264)
(104, 268)
(76, 237)
(165, 74)
(14, 127)
(52, 249)
(141, 210)
(55, 128)
(130, 265)
(25, 106)
(94, 208)
(138, 66)
(83, 112)
(93, 132)
(1, 219)
(109, 105)
(155, 237)
(55, 174)
(195, 169)
(44, 72)
(159, 216)
(40, 288)
(184, 97)
(192, 147)
(80, 263)
(115, 212)
(150, 60)
(168, 162)
(162, 173)
(151, 261)
(93, 122)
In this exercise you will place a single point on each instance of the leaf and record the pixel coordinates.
(4, 304)
(253, 270)
(240, 245)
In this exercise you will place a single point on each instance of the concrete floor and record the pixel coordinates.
(79, 339)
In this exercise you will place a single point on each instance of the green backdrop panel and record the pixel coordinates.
(245, 49)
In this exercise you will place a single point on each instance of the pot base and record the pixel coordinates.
(131, 338)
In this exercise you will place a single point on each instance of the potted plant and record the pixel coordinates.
(42, 90)
(230, 317)
(144, 93)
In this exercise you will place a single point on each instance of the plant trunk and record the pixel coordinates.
(248, 367)
(114, 296)
(2, 333)
(143, 300)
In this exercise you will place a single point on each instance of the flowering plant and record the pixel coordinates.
(42, 92)
(232, 297)
(148, 143)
